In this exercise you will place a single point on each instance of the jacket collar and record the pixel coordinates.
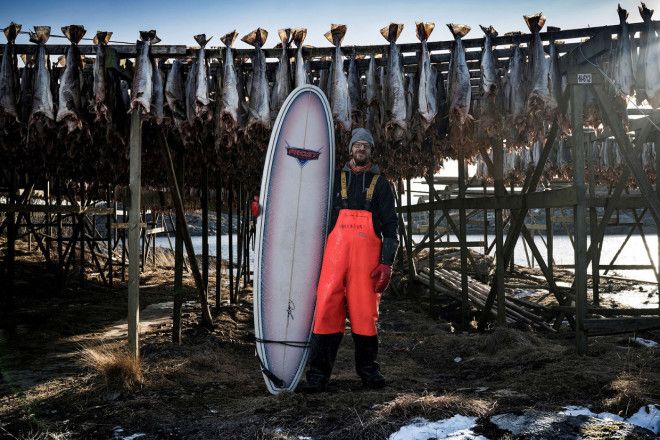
(374, 168)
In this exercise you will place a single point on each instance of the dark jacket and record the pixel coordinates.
(382, 206)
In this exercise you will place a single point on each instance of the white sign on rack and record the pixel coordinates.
(584, 78)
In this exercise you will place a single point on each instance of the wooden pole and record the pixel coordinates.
(178, 255)
(218, 240)
(205, 226)
(108, 226)
(580, 218)
(500, 191)
(135, 170)
(549, 238)
(239, 243)
(462, 225)
(593, 223)
(232, 299)
(431, 233)
(206, 319)
(411, 264)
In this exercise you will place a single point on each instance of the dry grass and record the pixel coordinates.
(630, 392)
(389, 416)
(119, 370)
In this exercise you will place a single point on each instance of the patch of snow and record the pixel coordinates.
(582, 411)
(458, 359)
(455, 428)
(644, 342)
(632, 298)
(647, 417)
(118, 434)
(523, 293)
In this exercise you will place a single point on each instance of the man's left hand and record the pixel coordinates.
(382, 274)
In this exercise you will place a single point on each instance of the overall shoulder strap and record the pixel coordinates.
(344, 190)
(370, 191)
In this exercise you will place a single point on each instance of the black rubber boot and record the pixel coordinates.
(321, 360)
(366, 352)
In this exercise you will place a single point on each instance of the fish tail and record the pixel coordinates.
(41, 34)
(424, 30)
(149, 36)
(202, 40)
(256, 38)
(623, 14)
(12, 31)
(102, 37)
(74, 32)
(458, 30)
(645, 12)
(298, 36)
(392, 32)
(535, 22)
(336, 34)
(285, 36)
(489, 31)
(229, 39)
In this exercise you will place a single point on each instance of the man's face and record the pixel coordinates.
(361, 152)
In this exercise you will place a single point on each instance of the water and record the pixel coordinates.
(633, 253)
(197, 244)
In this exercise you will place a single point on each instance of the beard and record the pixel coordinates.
(360, 161)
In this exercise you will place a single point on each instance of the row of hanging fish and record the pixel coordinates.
(603, 160)
(418, 119)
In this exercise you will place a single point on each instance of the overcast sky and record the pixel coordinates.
(177, 21)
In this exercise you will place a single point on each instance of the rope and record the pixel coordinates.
(296, 344)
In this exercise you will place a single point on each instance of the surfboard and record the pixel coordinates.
(295, 199)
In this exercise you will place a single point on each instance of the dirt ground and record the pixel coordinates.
(210, 385)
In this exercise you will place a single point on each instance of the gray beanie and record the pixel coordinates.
(360, 134)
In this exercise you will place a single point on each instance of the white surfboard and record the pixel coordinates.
(295, 198)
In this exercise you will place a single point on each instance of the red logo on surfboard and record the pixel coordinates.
(302, 154)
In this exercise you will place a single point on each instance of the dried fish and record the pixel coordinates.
(648, 66)
(100, 107)
(301, 74)
(459, 89)
(157, 93)
(340, 101)
(623, 75)
(229, 103)
(9, 74)
(259, 109)
(69, 94)
(427, 106)
(143, 77)
(175, 93)
(394, 91)
(282, 84)
(42, 101)
(372, 99)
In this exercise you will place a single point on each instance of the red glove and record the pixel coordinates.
(254, 207)
(382, 274)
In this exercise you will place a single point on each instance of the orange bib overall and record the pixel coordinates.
(352, 252)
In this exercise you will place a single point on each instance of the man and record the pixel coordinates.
(357, 266)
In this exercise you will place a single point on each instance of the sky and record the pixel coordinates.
(177, 21)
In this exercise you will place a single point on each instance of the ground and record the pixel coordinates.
(210, 385)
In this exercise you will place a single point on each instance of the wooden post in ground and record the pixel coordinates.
(549, 233)
(230, 202)
(656, 147)
(206, 319)
(500, 191)
(593, 224)
(108, 226)
(205, 226)
(411, 263)
(580, 217)
(462, 225)
(135, 170)
(178, 255)
(218, 241)
(431, 233)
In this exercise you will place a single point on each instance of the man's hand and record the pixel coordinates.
(254, 207)
(382, 274)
